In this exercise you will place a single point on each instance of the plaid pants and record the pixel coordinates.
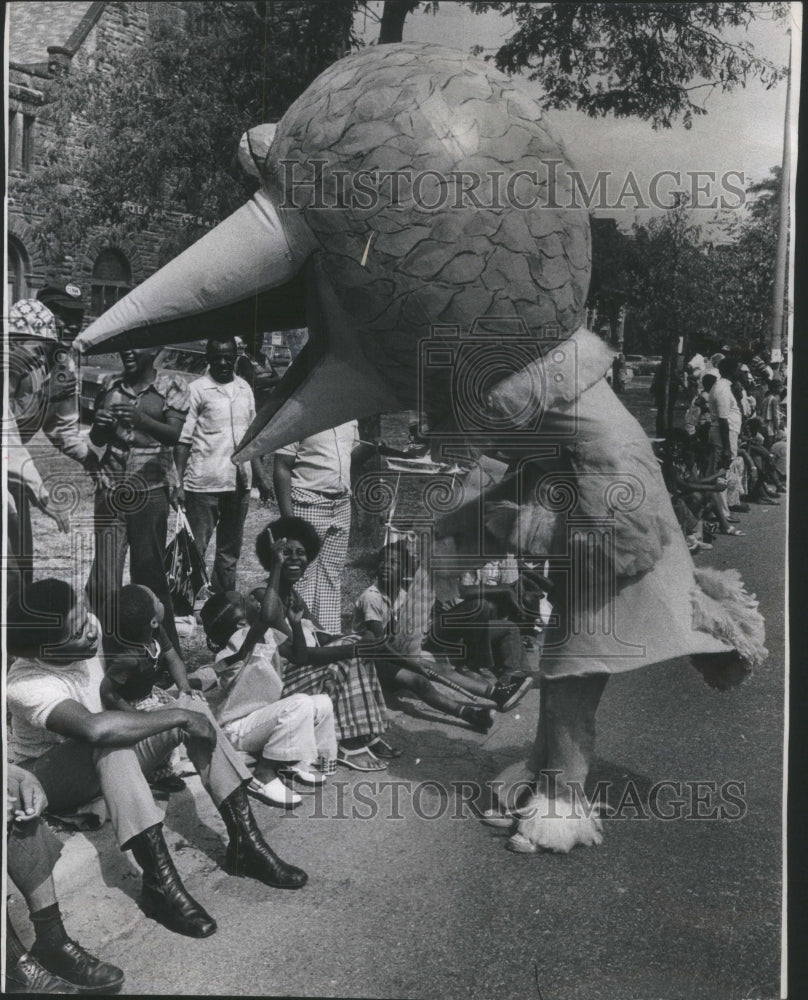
(354, 690)
(321, 586)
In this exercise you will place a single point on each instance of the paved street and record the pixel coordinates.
(437, 908)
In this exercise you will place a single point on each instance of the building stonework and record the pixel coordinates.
(47, 40)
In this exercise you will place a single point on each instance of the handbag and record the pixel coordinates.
(256, 684)
(184, 567)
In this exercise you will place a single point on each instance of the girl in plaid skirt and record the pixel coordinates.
(315, 662)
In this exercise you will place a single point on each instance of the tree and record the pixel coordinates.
(614, 266)
(745, 265)
(674, 290)
(645, 60)
(161, 124)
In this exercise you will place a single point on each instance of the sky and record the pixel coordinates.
(742, 131)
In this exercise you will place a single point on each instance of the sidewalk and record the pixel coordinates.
(425, 902)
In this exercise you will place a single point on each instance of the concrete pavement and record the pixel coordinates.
(422, 901)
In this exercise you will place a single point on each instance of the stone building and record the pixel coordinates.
(46, 40)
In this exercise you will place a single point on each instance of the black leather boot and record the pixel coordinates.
(248, 854)
(164, 896)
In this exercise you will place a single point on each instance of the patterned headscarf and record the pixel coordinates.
(31, 318)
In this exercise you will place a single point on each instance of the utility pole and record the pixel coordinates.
(778, 294)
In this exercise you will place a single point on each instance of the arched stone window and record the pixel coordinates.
(111, 280)
(19, 267)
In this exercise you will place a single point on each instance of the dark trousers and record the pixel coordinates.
(226, 512)
(32, 851)
(137, 519)
(491, 643)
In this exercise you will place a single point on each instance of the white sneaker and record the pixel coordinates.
(274, 793)
(301, 773)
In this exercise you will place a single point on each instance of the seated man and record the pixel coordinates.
(61, 733)
(55, 964)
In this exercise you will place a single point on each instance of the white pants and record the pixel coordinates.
(297, 728)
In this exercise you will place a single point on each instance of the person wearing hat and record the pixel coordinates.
(42, 396)
(64, 301)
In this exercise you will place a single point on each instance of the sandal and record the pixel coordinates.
(732, 530)
(381, 748)
(361, 759)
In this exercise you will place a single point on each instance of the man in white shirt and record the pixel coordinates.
(61, 734)
(312, 480)
(216, 493)
(725, 415)
(696, 367)
(726, 420)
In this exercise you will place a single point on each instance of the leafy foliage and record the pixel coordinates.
(161, 124)
(682, 279)
(648, 60)
(746, 265)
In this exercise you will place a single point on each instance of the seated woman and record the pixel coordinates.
(313, 661)
(375, 620)
(692, 496)
(293, 736)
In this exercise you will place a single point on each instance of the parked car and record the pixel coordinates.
(185, 360)
(92, 371)
(277, 353)
(649, 365)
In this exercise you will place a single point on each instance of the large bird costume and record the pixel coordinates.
(416, 212)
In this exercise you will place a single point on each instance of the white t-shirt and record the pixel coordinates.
(34, 688)
(724, 406)
(323, 461)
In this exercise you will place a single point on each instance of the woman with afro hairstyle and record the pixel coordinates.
(315, 662)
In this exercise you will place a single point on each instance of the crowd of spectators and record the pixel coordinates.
(731, 452)
(98, 694)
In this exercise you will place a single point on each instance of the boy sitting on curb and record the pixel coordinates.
(293, 736)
